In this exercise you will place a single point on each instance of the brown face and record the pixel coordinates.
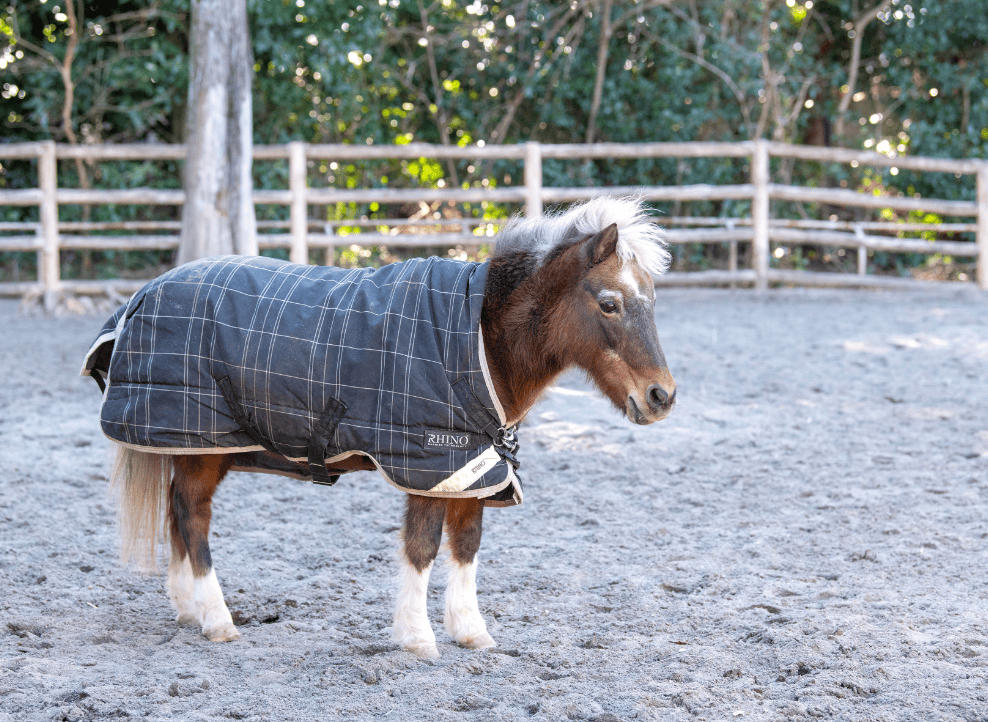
(613, 308)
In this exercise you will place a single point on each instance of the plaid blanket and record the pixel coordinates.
(292, 368)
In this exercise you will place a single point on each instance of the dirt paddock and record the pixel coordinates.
(805, 537)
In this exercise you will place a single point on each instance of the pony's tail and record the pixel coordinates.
(139, 482)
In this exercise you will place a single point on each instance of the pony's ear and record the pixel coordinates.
(600, 247)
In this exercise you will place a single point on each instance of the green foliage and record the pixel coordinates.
(127, 75)
(461, 72)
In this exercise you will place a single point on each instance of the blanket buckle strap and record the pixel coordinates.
(240, 416)
(505, 439)
(507, 445)
(322, 434)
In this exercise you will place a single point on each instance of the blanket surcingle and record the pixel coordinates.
(292, 368)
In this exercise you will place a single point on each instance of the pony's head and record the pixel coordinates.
(594, 291)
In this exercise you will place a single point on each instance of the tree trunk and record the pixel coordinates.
(218, 216)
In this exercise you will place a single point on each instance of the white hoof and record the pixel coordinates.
(420, 641)
(423, 650)
(222, 633)
(480, 641)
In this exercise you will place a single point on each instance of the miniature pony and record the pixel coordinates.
(570, 289)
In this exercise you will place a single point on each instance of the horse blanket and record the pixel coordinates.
(292, 368)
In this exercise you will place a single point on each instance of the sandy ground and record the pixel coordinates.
(803, 538)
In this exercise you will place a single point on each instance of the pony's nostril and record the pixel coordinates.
(658, 397)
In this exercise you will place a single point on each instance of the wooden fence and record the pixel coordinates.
(300, 233)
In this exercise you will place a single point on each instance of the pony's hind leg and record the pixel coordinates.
(422, 536)
(462, 619)
(192, 585)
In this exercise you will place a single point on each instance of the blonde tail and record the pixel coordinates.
(139, 482)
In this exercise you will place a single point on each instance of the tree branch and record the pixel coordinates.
(603, 48)
(36, 49)
(852, 73)
(731, 42)
(499, 133)
(607, 28)
(767, 74)
(66, 70)
(707, 65)
(638, 10)
(438, 90)
(790, 119)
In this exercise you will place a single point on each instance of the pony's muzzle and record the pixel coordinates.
(659, 402)
(659, 399)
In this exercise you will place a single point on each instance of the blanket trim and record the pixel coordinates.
(489, 491)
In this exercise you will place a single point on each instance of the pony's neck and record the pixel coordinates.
(514, 323)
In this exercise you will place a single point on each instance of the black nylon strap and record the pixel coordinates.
(478, 412)
(504, 439)
(226, 388)
(322, 434)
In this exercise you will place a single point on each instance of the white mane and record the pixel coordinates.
(639, 239)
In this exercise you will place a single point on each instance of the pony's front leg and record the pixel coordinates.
(422, 536)
(192, 585)
(464, 525)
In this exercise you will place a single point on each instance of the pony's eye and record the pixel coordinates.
(608, 307)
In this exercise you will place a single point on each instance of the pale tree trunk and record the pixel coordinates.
(218, 216)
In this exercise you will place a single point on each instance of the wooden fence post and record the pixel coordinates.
(533, 179)
(759, 213)
(330, 249)
(982, 232)
(299, 252)
(48, 257)
(862, 251)
(732, 253)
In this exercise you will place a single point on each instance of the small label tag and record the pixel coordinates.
(448, 440)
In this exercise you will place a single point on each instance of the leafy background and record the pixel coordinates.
(458, 73)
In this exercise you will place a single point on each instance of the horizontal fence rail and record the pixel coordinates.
(48, 235)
